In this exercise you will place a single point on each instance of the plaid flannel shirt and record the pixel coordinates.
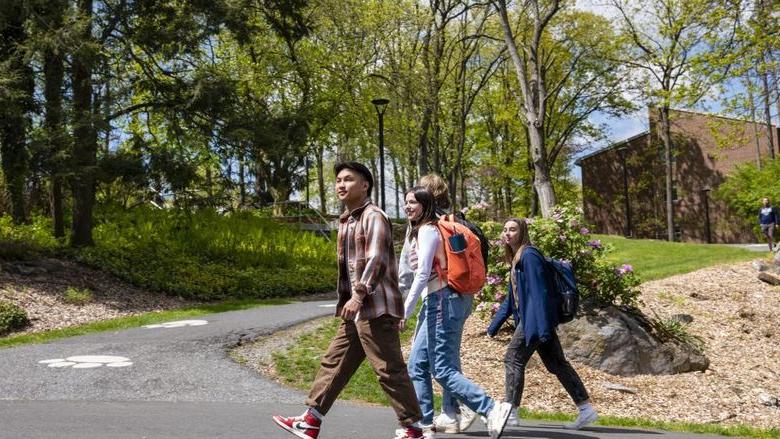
(367, 265)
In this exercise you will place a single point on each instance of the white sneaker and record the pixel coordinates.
(513, 420)
(445, 424)
(496, 419)
(586, 417)
(467, 417)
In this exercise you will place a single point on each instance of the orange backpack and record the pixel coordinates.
(465, 268)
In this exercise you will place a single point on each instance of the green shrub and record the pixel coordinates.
(36, 236)
(12, 317)
(207, 256)
(77, 296)
(565, 236)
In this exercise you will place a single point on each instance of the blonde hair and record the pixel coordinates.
(438, 188)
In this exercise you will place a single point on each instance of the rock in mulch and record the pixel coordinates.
(620, 388)
(771, 279)
(768, 400)
(618, 343)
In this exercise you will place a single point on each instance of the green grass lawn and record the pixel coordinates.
(654, 259)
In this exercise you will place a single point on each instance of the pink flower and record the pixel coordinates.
(499, 297)
(529, 221)
(596, 243)
(492, 279)
(574, 223)
(624, 269)
(584, 231)
(482, 306)
(494, 308)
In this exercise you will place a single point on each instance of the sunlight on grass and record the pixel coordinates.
(654, 259)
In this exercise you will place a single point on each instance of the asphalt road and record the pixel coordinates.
(179, 383)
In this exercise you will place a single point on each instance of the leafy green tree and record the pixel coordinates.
(16, 100)
(677, 46)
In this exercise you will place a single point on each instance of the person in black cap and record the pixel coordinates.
(371, 307)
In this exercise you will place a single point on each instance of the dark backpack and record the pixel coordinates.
(564, 287)
(484, 244)
(564, 284)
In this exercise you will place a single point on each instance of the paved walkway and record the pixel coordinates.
(178, 382)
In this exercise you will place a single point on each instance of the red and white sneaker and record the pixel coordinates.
(305, 426)
(409, 433)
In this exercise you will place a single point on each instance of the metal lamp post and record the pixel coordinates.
(381, 104)
(627, 205)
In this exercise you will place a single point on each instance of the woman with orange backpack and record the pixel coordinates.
(434, 353)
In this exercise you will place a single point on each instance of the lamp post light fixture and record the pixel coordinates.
(623, 150)
(705, 195)
(381, 104)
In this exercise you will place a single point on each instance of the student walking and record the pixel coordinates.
(434, 352)
(768, 219)
(454, 417)
(371, 308)
(535, 313)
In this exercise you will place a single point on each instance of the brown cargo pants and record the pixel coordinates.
(378, 341)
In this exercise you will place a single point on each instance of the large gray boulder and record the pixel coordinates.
(621, 343)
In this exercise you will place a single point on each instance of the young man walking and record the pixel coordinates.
(370, 306)
(768, 220)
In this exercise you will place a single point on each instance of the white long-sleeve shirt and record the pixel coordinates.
(425, 246)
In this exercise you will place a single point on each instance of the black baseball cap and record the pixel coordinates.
(359, 168)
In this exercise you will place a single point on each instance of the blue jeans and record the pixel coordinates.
(436, 354)
(449, 404)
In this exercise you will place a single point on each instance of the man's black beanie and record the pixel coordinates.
(359, 168)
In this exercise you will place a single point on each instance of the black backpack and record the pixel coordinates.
(460, 218)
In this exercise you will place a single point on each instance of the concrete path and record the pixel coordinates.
(178, 382)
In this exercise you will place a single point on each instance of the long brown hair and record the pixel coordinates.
(512, 257)
(428, 214)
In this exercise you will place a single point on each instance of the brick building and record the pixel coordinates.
(706, 148)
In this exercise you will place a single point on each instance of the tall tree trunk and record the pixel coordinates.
(752, 103)
(241, 178)
(84, 134)
(534, 96)
(396, 181)
(321, 180)
(770, 138)
(666, 138)
(54, 75)
(17, 103)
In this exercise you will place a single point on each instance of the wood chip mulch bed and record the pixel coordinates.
(734, 313)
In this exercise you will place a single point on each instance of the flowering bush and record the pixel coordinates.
(562, 236)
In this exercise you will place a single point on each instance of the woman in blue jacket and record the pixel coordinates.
(534, 307)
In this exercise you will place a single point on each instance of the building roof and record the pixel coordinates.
(610, 147)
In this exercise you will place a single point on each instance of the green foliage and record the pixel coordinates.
(35, 236)
(207, 256)
(563, 236)
(77, 296)
(12, 317)
(747, 185)
(669, 329)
